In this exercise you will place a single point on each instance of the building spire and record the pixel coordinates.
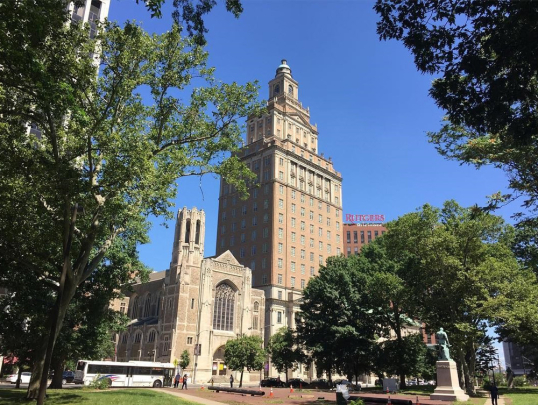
(283, 68)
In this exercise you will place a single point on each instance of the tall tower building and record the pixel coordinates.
(292, 220)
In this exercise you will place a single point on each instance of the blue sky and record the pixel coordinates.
(369, 102)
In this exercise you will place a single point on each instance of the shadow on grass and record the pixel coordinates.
(19, 396)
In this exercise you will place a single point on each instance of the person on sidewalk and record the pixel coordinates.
(176, 380)
(494, 394)
(231, 381)
(185, 377)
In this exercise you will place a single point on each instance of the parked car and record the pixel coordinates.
(349, 384)
(297, 383)
(68, 377)
(25, 377)
(272, 382)
(320, 383)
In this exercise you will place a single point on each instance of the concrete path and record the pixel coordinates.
(185, 395)
(500, 401)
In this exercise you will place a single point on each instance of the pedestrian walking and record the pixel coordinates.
(494, 394)
(176, 380)
(231, 381)
(184, 382)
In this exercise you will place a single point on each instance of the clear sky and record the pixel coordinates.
(369, 102)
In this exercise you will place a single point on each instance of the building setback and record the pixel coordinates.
(292, 220)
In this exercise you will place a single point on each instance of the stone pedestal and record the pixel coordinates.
(448, 387)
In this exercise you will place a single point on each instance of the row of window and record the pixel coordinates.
(355, 236)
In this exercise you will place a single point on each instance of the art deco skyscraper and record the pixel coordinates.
(292, 221)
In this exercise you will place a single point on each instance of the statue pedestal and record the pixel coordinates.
(448, 387)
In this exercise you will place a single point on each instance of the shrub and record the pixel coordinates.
(520, 381)
(356, 402)
(100, 383)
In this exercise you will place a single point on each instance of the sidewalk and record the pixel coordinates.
(500, 401)
(185, 395)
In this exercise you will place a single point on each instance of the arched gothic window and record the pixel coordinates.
(151, 336)
(124, 338)
(197, 238)
(276, 89)
(256, 306)
(147, 306)
(188, 231)
(223, 310)
(134, 309)
(290, 90)
(158, 305)
(137, 337)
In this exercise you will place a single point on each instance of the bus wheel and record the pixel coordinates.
(157, 384)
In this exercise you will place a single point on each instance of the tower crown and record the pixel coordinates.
(283, 68)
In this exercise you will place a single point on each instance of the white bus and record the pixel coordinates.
(125, 374)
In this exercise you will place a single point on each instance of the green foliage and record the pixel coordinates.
(97, 144)
(335, 322)
(184, 360)
(356, 402)
(244, 352)
(460, 268)
(284, 351)
(100, 383)
(520, 381)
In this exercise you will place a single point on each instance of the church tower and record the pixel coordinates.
(188, 248)
(292, 220)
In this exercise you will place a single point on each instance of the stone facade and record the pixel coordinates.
(197, 305)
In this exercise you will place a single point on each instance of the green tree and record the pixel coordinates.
(245, 352)
(335, 323)
(485, 60)
(461, 271)
(284, 352)
(100, 158)
(184, 360)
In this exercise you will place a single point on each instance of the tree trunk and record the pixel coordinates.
(19, 374)
(57, 365)
(241, 379)
(56, 317)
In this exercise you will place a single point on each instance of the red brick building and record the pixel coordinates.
(356, 235)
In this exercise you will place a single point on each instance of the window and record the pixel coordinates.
(265, 232)
(255, 205)
(264, 279)
(223, 310)
(293, 235)
(254, 221)
(311, 242)
(266, 204)
(320, 259)
(293, 281)
(337, 238)
(244, 210)
(243, 224)
(320, 218)
(293, 194)
(293, 267)
(320, 232)
(264, 248)
(189, 340)
(302, 198)
(242, 238)
(279, 264)
(279, 317)
(280, 203)
(376, 233)
(293, 222)
(266, 189)
(311, 270)
(281, 189)
(233, 212)
(311, 228)
(302, 283)
(253, 251)
(264, 263)
(302, 225)
(328, 234)
(302, 240)
(311, 256)
(348, 252)
(147, 306)
(303, 254)
(293, 207)
(280, 160)
(280, 295)
(311, 202)
(328, 221)
(281, 175)
(328, 209)
(293, 251)
(122, 307)
(124, 338)
(279, 278)
(265, 217)
(355, 239)
(369, 236)
(280, 247)
(348, 236)
(223, 216)
(280, 218)
(337, 225)
(242, 252)
(329, 250)
(320, 245)
(312, 215)
(356, 251)
(137, 337)
(280, 233)
(302, 269)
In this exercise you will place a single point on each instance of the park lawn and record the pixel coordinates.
(139, 396)
(521, 396)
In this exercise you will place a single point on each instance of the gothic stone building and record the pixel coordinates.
(197, 305)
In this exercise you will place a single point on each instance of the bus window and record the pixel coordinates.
(81, 365)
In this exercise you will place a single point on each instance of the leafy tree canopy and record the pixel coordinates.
(284, 351)
(245, 352)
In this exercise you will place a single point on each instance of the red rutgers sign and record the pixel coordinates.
(365, 218)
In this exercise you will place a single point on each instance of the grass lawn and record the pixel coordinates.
(521, 396)
(86, 397)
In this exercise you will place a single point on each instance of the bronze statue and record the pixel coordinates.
(443, 344)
